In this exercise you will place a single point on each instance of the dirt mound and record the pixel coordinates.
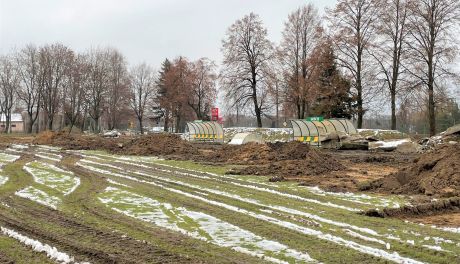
(433, 208)
(68, 140)
(255, 153)
(291, 159)
(434, 173)
(158, 144)
(155, 144)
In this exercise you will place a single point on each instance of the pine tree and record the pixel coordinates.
(334, 99)
(159, 109)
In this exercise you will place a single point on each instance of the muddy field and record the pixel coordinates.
(106, 200)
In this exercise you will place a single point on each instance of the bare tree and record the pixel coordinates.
(247, 52)
(98, 82)
(203, 87)
(301, 33)
(9, 82)
(118, 88)
(432, 25)
(391, 51)
(55, 61)
(142, 88)
(29, 92)
(75, 94)
(352, 26)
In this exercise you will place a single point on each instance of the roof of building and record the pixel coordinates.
(15, 117)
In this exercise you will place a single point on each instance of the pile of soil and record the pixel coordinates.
(155, 144)
(158, 144)
(451, 205)
(434, 173)
(68, 140)
(292, 159)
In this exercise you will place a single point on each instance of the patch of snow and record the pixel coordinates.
(391, 144)
(117, 183)
(37, 246)
(450, 229)
(49, 156)
(53, 176)
(437, 248)
(3, 180)
(39, 196)
(205, 227)
(371, 239)
(357, 198)
(7, 158)
(395, 257)
(19, 146)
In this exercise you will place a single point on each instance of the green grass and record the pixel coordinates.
(18, 253)
(84, 206)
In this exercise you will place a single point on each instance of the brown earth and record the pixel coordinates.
(7, 139)
(446, 219)
(436, 172)
(283, 160)
(292, 159)
(431, 208)
(155, 144)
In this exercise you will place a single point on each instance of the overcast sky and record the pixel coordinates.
(142, 30)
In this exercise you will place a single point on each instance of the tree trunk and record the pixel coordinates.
(177, 124)
(141, 126)
(30, 126)
(393, 109)
(431, 108)
(166, 126)
(50, 123)
(257, 110)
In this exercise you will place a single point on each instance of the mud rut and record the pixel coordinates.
(91, 232)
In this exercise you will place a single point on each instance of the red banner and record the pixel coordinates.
(214, 114)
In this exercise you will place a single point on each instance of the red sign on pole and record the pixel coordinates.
(214, 114)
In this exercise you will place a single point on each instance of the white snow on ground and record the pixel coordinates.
(7, 158)
(395, 257)
(217, 178)
(49, 156)
(39, 196)
(37, 246)
(52, 176)
(205, 227)
(437, 248)
(255, 202)
(247, 200)
(19, 146)
(449, 229)
(117, 183)
(391, 144)
(49, 148)
(3, 180)
(357, 235)
(357, 198)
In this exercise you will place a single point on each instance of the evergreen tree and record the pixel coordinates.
(158, 109)
(334, 96)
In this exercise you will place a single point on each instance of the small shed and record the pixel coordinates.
(17, 123)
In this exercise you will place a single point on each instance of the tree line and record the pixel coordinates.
(361, 51)
(55, 83)
(343, 64)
